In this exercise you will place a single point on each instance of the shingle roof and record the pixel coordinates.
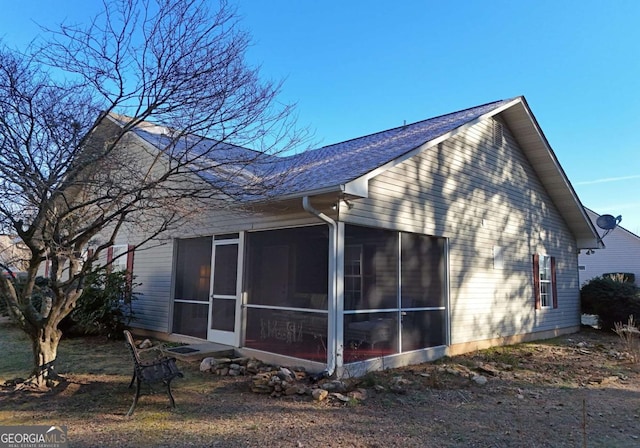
(244, 173)
(343, 162)
(312, 170)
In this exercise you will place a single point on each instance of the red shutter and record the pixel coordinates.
(554, 289)
(536, 280)
(47, 267)
(130, 259)
(129, 273)
(109, 258)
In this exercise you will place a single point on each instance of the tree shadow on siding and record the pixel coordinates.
(480, 191)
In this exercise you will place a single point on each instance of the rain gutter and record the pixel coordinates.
(333, 291)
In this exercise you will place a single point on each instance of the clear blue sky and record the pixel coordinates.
(357, 67)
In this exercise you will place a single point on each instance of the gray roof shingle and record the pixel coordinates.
(340, 163)
(317, 169)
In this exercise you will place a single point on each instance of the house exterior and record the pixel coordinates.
(620, 254)
(435, 238)
(12, 255)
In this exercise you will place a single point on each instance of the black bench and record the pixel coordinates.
(160, 370)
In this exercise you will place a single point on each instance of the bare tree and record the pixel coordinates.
(71, 106)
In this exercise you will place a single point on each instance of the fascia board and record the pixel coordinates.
(556, 177)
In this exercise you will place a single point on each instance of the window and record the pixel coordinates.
(352, 275)
(544, 278)
(120, 258)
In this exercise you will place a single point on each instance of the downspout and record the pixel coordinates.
(333, 293)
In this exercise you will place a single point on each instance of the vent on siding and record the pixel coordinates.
(582, 268)
(498, 133)
(498, 257)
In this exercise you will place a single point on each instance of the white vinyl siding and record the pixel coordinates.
(476, 194)
(621, 254)
(154, 264)
(479, 196)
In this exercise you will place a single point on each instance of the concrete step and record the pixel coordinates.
(197, 352)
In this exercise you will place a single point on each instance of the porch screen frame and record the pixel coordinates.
(398, 309)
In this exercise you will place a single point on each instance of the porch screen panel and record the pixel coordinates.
(191, 296)
(394, 292)
(190, 319)
(422, 267)
(370, 335)
(288, 267)
(226, 270)
(421, 329)
(293, 333)
(371, 264)
(193, 269)
(287, 285)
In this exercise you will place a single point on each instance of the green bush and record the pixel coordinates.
(104, 308)
(611, 300)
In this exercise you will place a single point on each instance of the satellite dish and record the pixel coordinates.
(608, 222)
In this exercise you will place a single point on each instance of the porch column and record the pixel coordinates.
(337, 315)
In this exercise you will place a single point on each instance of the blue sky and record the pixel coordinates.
(358, 67)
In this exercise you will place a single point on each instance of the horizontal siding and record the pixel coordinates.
(153, 270)
(153, 265)
(481, 195)
(475, 193)
(621, 254)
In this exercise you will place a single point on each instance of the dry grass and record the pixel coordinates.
(629, 334)
(556, 394)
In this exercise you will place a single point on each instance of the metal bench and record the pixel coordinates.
(159, 370)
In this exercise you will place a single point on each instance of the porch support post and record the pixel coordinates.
(339, 293)
(332, 321)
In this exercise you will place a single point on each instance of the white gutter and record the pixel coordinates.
(332, 340)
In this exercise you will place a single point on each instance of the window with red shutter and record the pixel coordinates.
(544, 281)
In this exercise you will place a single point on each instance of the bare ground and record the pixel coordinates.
(573, 391)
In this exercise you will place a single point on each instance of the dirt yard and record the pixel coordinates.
(575, 391)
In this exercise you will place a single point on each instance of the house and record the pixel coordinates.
(13, 256)
(621, 254)
(434, 238)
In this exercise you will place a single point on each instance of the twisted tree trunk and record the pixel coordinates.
(45, 350)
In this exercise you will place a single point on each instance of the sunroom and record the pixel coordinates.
(286, 294)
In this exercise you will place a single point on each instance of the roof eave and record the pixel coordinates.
(524, 125)
(341, 189)
(536, 147)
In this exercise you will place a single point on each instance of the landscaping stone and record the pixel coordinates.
(319, 394)
(279, 381)
(207, 364)
(334, 386)
(479, 380)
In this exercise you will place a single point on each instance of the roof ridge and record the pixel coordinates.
(145, 125)
(417, 122)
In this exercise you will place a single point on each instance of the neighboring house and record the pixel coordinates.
(430, 239)
(620, 254)
(12, 255)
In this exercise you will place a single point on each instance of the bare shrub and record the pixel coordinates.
(630, 337)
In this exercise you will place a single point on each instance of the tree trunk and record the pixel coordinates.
(45, 350)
